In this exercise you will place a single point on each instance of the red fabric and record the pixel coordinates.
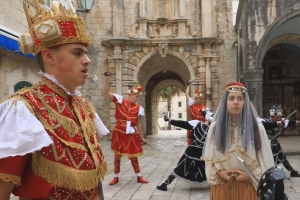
(121, 143)
(195, 112)
(117, 162)
(67, 29)
(188, 139)
(18, 163)
(135, 165)
(37, 187)
(37, 42)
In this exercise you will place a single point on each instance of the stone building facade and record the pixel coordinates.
(269, 54)
(154, 43)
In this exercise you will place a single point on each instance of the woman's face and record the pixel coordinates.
(235, 102)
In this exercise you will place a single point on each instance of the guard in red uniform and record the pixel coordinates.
(127, 137)
(49, 135)
(196, 107)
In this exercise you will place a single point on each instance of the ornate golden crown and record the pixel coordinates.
(52, 27)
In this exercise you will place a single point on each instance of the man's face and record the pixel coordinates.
(197, 100)
(70, 65)
(276, 118)
(133, 98)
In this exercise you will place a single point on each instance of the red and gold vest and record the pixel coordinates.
(195, 112)
(126, 111)
(74, 163)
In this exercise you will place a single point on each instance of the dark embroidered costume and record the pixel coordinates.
(278, 154)
(190, 167)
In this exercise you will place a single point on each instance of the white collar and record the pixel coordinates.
(54, 80)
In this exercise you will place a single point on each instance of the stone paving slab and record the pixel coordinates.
(161, 157)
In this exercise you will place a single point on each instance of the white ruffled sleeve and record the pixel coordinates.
(191, 101)
(119, 98)
(100, 127)
(21, 132)
(141, 111)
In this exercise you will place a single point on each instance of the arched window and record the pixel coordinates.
(21, 85)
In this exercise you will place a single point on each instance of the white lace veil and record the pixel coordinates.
(246, 123)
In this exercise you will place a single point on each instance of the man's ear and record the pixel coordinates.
(48, 56)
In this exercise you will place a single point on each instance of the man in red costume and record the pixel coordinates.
(127, 137)
(49, 135)
(196, 108)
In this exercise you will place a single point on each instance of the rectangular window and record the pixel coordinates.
(179, 115)
(179, 104)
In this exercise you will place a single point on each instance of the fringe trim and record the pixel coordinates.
(64, 176)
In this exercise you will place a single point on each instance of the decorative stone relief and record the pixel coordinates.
(163, 49)
(193, 30)
(133, 31)
(162, 27)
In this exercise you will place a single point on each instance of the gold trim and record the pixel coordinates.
(64, 176)
(10, 178)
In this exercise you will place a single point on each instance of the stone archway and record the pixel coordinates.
(155, 72)
(154, 101)
(281, 83)
(282, 31)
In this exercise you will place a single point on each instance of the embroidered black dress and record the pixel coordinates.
(190, 166)
(278, 154)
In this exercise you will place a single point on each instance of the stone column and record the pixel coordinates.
(253, 82)
(181, 27)
(182, 9)
(143, 27)
(143, 11)
(118, 60)
(208, 82)
(206, 18)
(162, 8)
(117, 18)
(208, 58)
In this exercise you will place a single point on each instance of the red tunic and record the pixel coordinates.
(73, 165)
(195, 114)
(121, 143)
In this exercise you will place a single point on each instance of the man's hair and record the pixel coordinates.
(39, 58)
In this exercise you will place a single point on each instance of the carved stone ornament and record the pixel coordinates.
(162, 21)
(163, 49)
(132, 33)
(162, 28)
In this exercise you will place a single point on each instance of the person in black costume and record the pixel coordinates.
(271, 185)
(276, 114)
(190, 167)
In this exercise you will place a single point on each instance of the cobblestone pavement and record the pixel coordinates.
(161, 158)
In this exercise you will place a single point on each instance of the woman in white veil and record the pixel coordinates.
(234, 133)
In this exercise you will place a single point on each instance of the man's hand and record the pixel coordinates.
(107, 74)
(143, 141)
(279, 123)
(166, 118)
(189, 82)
